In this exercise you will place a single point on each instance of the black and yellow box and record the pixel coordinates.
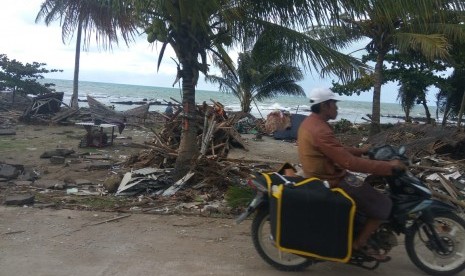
(309, 219)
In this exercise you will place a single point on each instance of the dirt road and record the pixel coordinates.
(64, 242)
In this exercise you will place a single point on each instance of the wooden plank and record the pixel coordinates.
(99, 111)
(449, 198)
(436, 169)
(207, 138)
(449, 186)
(236, 136)
(64, 114)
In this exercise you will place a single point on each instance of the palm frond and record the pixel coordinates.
(107, 19)
(312, 54)
(431, 46)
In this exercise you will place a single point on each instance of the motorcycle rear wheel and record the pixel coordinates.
(266, 248)
(451, 230)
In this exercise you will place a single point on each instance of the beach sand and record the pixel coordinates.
(31, 141)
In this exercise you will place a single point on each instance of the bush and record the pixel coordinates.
(239, 196)
(22, 78)
(342, 126)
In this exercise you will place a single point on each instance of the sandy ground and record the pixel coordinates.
(31, 141)
(65, 242)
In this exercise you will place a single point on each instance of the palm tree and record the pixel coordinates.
(106, 17)
(407, 97)
(415, 74)
(257, 80)
(199, 29)
(419, 25)
(452, 94)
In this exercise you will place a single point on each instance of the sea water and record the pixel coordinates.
(109, 93)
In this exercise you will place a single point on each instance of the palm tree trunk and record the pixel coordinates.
(246, 104)
(376, 107)
(427, 113)
(74, 103)
(446, 114)
(407, 115)
(188, 149)
(13, 95)
(462, 108)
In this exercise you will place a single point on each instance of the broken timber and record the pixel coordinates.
(236, 136)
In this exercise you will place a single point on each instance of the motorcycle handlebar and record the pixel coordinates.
(398, 171)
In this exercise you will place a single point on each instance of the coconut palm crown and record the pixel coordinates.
(107, 18)
(255, 80)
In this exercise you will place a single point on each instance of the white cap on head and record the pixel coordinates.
(319, 95)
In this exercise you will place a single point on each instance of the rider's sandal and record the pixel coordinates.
(373, 253)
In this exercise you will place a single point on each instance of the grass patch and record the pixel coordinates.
(14, 144)
(239, 196)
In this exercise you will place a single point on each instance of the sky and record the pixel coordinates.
(26, 41)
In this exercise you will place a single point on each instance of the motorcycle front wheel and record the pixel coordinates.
(423, 252)
(266, 248)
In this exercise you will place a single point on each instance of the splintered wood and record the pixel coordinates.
(216, 136)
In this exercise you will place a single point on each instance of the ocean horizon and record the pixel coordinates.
(111, 93)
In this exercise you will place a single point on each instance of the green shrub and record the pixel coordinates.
(343, 125)
(239, 196)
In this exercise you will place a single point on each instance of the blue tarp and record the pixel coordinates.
(290, 133)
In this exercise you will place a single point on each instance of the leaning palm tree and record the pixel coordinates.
(407, 98)
(199, 29)
(106, 17)
(415, 76)
(451, 97)
(257, 80)
(413, 25)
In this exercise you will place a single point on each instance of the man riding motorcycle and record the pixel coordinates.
(324, 157)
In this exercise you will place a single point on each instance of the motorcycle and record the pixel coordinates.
(433, 232)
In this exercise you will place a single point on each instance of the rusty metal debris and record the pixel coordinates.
(145, 180)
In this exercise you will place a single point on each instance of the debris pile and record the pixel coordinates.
(437, 154)
(444, 176)
(217, 133)
(50, 109)
(424, 140)
(149, 183)
(277, 120)
(145, 180)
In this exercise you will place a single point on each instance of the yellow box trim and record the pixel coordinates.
(278, 195)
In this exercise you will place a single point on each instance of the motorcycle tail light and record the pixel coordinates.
(251, 184)
(256, 186)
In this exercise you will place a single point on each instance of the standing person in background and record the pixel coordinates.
(323, 156)
(169, 110)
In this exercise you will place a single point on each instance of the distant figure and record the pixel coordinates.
(169, 110)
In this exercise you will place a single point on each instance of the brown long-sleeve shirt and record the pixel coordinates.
(323, 156)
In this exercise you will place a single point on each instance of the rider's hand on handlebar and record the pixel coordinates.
(397, 166)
